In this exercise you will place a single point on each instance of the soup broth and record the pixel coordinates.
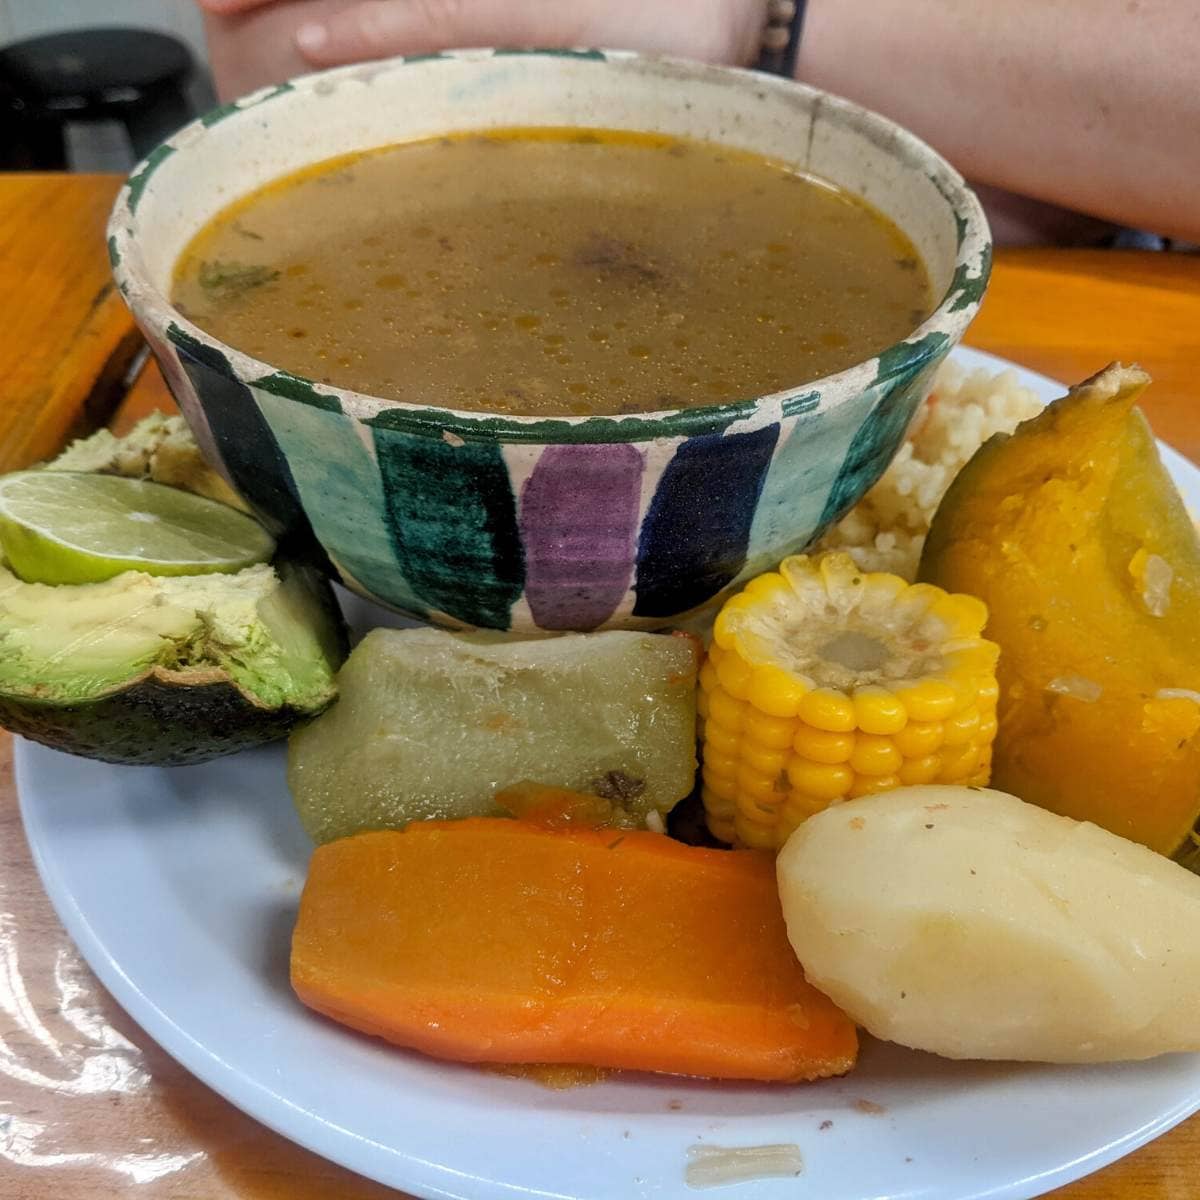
(552, 271)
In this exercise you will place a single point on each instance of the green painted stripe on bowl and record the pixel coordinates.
(905, 358)
(136, 186)
(222, 112)
(287, 386)
(434, 423)
(589, 55)
(452, 518)
(342, 493)
(969, 287)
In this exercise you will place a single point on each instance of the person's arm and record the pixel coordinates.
(1090, 104)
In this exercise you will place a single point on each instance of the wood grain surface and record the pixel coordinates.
(66, 340)
(89, 1106)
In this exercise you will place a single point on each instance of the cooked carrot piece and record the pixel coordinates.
(490, 940)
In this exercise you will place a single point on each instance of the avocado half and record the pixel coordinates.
(168, 670)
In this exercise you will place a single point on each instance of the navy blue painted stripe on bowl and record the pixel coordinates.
(247, 446)
(694, 537)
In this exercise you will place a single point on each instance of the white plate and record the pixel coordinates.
(180, 887)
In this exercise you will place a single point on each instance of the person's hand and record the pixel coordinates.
(726, 31)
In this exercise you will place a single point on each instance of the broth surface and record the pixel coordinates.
(552, 271)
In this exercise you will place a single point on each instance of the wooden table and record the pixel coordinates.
(90, 1108)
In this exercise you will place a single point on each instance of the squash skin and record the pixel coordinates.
(1052, 528)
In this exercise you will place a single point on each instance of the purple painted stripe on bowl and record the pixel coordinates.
(579, 520)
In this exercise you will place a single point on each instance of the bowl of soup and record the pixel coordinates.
(538, 341)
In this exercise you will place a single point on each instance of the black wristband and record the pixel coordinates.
(781, 37)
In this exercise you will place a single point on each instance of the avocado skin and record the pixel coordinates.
(154, 722)
(170, 718)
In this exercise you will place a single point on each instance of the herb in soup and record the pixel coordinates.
(554, 271)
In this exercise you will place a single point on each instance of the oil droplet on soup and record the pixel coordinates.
(549, 271)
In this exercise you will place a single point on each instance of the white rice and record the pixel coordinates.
(886, 530)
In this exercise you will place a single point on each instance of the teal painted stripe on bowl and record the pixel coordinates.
(342, 494)
(878, 438)
(452, 518)
(798, 483)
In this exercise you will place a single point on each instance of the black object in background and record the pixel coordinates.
(136, 77)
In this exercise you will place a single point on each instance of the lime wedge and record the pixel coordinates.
(63, 527)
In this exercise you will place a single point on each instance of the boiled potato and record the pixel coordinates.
(966, 922)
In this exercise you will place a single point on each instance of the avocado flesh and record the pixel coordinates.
(160, 448)
(167, 669)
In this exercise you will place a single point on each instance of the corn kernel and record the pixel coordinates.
(928, 699)
(719, 765)
(868, 785)
(725, 626)
(752, 783)
(775, 691)
(799, 806)
(720, 785)
(919, 770)
(722, 828)
(734, 674)
(759, 808)
(827, 781)
(701, 704)
(962, 727)
(716, 805)
(919, 738)
(776, 732)
(958, 762)
(755, 834)
(967, 614)
(878, 711)
(764, 759)
(723, 741)
(766, 587)
(723, 709)
(874, 755)
(788, 824)
(821, 745)
(971, 657)
(828, 709)
(966, 687)
(778, 748)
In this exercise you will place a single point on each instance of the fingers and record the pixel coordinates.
(224, 8)
(378, 28)
(710, 30)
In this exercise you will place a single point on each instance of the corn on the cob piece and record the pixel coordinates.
(824, 682)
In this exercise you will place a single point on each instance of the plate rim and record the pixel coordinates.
(425, 1178)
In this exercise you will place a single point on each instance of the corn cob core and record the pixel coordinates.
(824, 682)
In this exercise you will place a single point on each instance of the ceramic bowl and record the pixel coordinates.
(531, 523)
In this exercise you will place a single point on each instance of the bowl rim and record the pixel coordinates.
(926, 343)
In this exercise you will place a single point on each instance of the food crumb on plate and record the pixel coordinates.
(712, 1166)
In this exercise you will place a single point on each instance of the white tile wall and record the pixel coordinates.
(28, 18)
